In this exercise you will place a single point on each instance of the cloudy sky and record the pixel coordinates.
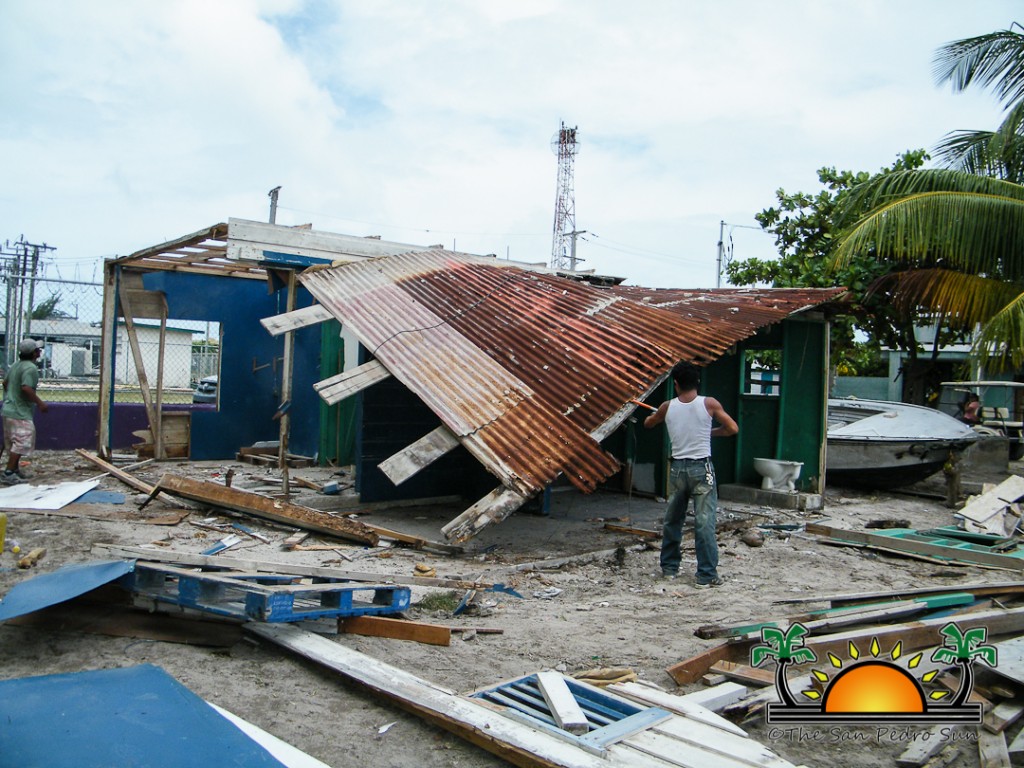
(125, 124)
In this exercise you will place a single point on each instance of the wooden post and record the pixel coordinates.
(286, 387)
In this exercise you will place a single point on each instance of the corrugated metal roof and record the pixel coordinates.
(525, 367)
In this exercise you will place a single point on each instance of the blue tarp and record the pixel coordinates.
(137, 716)
(63, 584)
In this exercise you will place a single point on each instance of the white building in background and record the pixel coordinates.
(72, 350)
(177, 355)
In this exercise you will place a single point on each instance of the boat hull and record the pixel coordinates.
(889, 465)
(879, 444)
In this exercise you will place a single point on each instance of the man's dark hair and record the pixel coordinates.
(686, 376)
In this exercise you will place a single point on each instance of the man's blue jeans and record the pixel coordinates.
(691, 479)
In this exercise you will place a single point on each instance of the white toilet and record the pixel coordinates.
(777, 474)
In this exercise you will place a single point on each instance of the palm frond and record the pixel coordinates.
(965, 300)
(998, 153)
(1000, 341)
(977, 232)
(995, 59)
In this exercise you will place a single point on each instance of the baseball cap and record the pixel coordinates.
(28, 345)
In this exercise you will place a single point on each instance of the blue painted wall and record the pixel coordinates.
(250, 366)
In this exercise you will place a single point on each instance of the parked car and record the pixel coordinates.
(206, 390)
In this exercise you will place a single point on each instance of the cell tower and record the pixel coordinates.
(563, 241)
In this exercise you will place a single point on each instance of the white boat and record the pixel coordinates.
(881, 444)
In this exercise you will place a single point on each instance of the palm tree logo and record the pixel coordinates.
(785, 648)
(876, 687)
(966, 647)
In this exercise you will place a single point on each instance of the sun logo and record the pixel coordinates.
(873, 688)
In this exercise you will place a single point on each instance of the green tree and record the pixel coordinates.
(48, 308)
(958, 233)
(805, 227)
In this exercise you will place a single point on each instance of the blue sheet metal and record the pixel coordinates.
(138, 716)
(63, 584)
(96, 496)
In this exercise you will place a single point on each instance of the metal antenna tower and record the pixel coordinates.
(563, 241)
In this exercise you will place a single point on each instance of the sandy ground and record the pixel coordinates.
(609, 612)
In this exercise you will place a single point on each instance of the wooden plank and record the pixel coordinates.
(992, 750)
(306, 242)
(1003, 715)
(1016, 747)
(396, 629)
(680, 705)
(262, 566)
(726, 743)
(718, 697)
(492, 508)
(562, 704)
(895, 544)
(978, 590)
(680, 753)
(407, 462)
(128, 479)
(347, 383)
(296, 319)
(979, 509)
(913, 635)
(266, 508)
(519, 744)
(921, 750)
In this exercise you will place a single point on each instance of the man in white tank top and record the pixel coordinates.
(691, 422)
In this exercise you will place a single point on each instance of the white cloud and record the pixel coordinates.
(129, 123)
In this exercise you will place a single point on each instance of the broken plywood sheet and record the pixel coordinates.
(43, 497)
(655, 739)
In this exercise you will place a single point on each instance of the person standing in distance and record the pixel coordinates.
(692, 420)
(19, 396)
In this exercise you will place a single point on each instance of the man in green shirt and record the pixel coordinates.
(19, 396)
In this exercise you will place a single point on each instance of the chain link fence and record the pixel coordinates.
(66, 317)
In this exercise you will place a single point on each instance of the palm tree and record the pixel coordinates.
(966, 647)
(784, 648)
(960, 231)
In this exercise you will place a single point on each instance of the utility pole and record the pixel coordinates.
(20, 263)
(572, 258)
(721, 248)
(273, 204)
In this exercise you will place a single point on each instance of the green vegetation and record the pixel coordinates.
(439, 602)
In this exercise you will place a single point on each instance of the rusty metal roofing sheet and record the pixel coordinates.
(525, 368)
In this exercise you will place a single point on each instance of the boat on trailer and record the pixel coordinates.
(882, 444)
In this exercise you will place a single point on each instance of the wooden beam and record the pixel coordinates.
(128, 479)
(913, 635)
(347, 383)
(519, 744)
(217, 495)
(492, 508)
(396, 629)
(296, 319)
(414, 457)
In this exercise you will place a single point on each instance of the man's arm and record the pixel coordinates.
(30, 394)
(726, 424)
(657, 417)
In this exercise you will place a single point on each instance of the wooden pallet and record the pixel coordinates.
(263, 596)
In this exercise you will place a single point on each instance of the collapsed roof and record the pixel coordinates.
(528, 371)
